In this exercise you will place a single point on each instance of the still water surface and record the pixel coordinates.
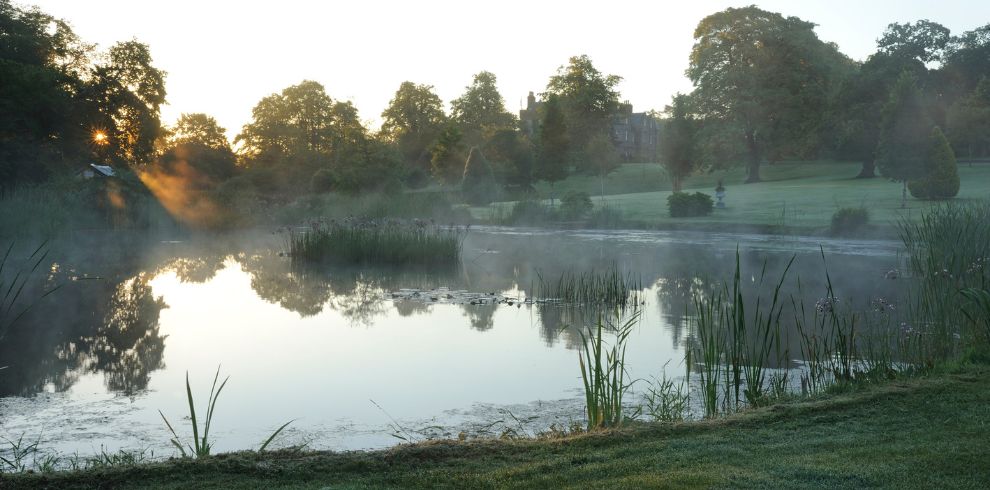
(350, 354)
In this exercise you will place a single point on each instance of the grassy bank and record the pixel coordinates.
(928, 432)
(794, 196)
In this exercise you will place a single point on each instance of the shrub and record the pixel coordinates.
(529, 212)
(849, 219)
(682, 204)
(575, 205)
(478, 183)
(605, 216)
(942, 180)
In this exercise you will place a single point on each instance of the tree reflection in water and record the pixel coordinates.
(93, 326)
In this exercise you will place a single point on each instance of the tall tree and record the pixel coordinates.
(554, 144)
(199, 151)
(200, 128)
(413, 119)
(968, 122)
(480, 110)
(924, 40)
(511, 155)
(298, 120)
(769, 74)
(447, 155)
(967, 61)
(677, 148)
(129, 92)
(856, 111)
(588, 99)
(904, 134)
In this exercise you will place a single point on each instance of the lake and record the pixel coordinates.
(361, 358)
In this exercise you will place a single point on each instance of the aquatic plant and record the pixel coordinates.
(949, 251)
(201, 446)
(732, 351)
(666, 401)
(603, 371)
(610, 288)
(377, 242)
(12, 284)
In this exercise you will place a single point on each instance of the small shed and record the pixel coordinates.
(93, 170)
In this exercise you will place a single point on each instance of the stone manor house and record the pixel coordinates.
(636, 135)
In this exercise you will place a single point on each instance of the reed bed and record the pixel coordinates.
(377, 242)
(949, 252)
(946, 315)
(609, 288)
(733, 349)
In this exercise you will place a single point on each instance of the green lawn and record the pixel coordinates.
(793, 194)
(919, 433)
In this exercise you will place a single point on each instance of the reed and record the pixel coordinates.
(609, 288)
(666, 401)
(733, 350)
(949, 251)
(603, 371)
(202, 446)
(13, 282)
(378, 242)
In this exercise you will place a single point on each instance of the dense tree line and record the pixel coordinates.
(766, 88)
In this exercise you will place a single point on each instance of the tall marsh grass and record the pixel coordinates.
(202, 445)
(603, 371)
(377, 242)
(609, 288)
(12, 283)
(733, 348)
(949, 252)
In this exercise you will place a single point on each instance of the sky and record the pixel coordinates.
(222, 57)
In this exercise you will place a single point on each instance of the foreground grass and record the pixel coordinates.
(921, 433)
(800, 195)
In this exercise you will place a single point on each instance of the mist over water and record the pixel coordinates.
(318, 344)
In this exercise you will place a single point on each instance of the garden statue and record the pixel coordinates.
(720, 195)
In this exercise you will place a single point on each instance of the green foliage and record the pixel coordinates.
(575, 205)
(925, 41)
(530, 212)
(377, 242)
(768, 74)
(199, 128)
(12, 283)
(200, 447)
(478, 183)
(413, 119)
(942, 178)
(447, 156)
(904, 134)
(606, 216)
(847, 220)
(948, 252)
(588, 100)
(665, 401)
(604, 373)
(683, 204)
(59, 93)
(610, 288)
(480, 110)
(968, 122)
(600, 155)
(511, 156)
(554, 142)
(677, 142)
(322, 181)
